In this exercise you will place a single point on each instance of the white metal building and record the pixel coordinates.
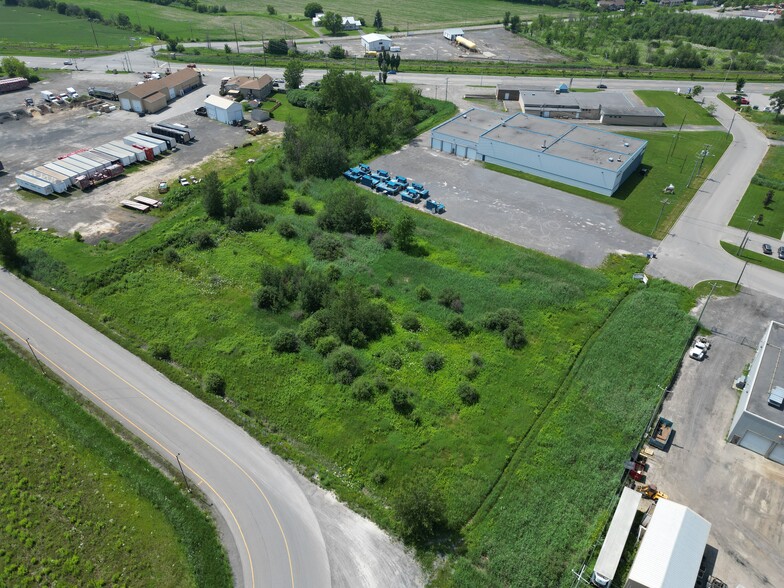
(222, 109)
(615, 540)
(758, 423)
(376, 42)
(576, 155)
(671, 550)
(452, 34)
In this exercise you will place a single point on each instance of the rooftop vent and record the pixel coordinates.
(610, 159)
(544, 144)
(465, 116)
(625, 144)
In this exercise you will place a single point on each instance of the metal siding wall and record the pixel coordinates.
(755, 442)
(777, 454)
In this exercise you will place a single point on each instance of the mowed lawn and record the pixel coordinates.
(677, 108)
(22, 25)
(769, 177)
(81, 508)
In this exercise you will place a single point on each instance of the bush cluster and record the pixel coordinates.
(285, 341)
(450, 299)
(509, 322)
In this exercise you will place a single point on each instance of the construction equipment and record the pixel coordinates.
(651, 492)
(259, 129)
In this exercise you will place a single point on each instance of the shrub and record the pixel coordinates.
(344, 364)
(160, 350)
(266, 186)
(501, 319)
(410, 322)
(476, 359)
(267, 298)
(357, 338)
(250, 218)
(279, 286)
(313, 328)
(214, 383)
(303, 207)
(420, 511)
(326, 345)
(514, 336)
(467, 393)
(471, 372)
(337, 52)
(458, 326)
(285, 341)
(349, 310)
(326, 247)
(392, 359)
(286, 230)
(380, 384)
(422, 293)
(345, 210)
(450, 299)
(362, 390)
(412, 344)
(379, 477)
(433, 361)
(203, 240)
(170, 255)
(402, 400)
(314, 291)
(78, 237)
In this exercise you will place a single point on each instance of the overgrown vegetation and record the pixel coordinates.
(81, 508)
(761, 210)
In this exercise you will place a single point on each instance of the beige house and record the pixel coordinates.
(249, 88)
(153, 95)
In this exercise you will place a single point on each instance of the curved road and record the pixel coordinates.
(279, 541)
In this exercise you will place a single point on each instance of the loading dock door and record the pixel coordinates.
(756, 443)
(777, 454)
(471, 153)
(434, 143)
(460, 151)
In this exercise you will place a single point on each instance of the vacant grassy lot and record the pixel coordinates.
(677, 109)
(755, 256)
(671, 158)
(361, 439)
(769, 178)
(23, 26)
(80, 508)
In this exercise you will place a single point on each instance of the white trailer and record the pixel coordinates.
(615, 540)
(94, 165)
(34, 184)
(142, 142)
(72, 165)
(59, 183)
(98, 157)
(60, 177)
(99, 164)
(139, 154)
(111, 159)
(53, 166)
(159, 144)
(124, 157)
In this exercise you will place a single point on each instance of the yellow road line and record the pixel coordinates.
(175, 417)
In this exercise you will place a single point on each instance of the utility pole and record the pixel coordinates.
(92, 28)
(741, 274)
(236, 41)
(35, 356)
(734, 112)
(743, 243)
(183, 473)
(704, 306)
(664, 203)
(729, 66)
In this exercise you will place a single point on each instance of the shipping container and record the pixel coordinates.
(123, 156)
(181, 129)
(106, 93)
(142, 143)
(137, 153)
(11, 84)
(169, 140)
(34, 184)
(162, 144)
(59, 182)
(70, 174)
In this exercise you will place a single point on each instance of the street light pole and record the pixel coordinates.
(446, 91)
(743, 242)
(664, 203)
(734, 112)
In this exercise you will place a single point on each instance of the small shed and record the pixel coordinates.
(671, 550)
(376, 42)
(563, 88)
(223, 110)
(452, 34)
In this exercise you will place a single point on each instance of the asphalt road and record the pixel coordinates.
(278, 538)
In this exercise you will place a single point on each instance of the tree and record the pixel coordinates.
(421, 512)
(768, 199)
(337, 52)
(696, 91)
(212, 195)
(226, 48)
(271, 10)
(345, 211)
(266, 186)
(346, 93)
(333, 22)
(312, 9)
(507, 18)
(378, 22)
(514, 24)
(8, 252)
(777, 102)
(14, 68)
(739, 84)
(277, 46)
(293, 74)
(123, 20)
(403, 232)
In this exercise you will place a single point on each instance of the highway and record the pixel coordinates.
(278, 538)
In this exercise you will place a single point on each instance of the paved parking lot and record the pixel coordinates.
(31, 142)
(522, 212)
(739, 492)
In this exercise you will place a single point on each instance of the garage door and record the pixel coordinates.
(434, 143)
(777, 454)
(460, 151)
(447, 147)
(756, 443)
(471, 153)
(136, 105)
(125, 103)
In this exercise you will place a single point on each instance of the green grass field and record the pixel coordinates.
(755, 256)
(677, 109)
(640, 198)
(28, 26)
(769, 176)
(201, 306)
(81, 508)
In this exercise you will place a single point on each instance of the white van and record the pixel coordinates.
(72, 93)
(47, 95)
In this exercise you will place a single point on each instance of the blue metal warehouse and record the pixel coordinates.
(577, 155)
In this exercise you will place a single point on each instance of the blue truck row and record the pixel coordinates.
(381, 181)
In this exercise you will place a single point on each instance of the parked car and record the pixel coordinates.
(744, 100)
(697, 353)
(184, 182)
(29, 102)
(201, 111)
(602, 86)
(781, 252)
(767, 249)
(67, 62)
(163, 187)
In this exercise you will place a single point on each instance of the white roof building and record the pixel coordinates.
(376, 42)
(671, 550)
(222, 109)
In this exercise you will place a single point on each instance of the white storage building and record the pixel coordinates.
(453, 34)
(758, 423)
(671, 550)
(376, 42)
(222, 109)
(615, 540)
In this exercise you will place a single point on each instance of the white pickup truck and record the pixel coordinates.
(700, 348)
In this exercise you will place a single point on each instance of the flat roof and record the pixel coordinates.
(632, 110)
(585, 100)
(769, 375)
(567, 140)
(471, 124)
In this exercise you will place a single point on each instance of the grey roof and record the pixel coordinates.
(584, 100)
(769, 375)
(471, 124)
(632, 111)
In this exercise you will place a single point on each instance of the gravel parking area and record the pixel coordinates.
(494, 44)
(739, 492)
(522, 212)
(30, 142)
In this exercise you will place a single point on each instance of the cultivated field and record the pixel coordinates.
(80, 508)
(484, 412)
